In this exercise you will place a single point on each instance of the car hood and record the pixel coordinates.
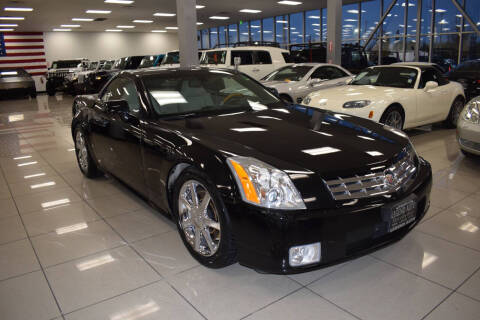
(297, 138)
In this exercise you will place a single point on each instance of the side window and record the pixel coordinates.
(263, 57)
(427, 75)
(246, 56)
(287, 57)
(441, 79)
(319, 74)
(129, 93)
(333, 73)
(112, 92)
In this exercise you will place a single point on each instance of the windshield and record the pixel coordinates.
(93, 66)
(148, 61)
(214, 57)
(290, 73)
(128, 63)
(398, 77)
(192, 93)
(171, 58)
(64, 64)
(108, 65)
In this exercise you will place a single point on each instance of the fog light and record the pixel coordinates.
(306, 254)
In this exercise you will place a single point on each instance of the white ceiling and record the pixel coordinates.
(49, 14)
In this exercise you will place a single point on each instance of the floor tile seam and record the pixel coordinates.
(334, 304)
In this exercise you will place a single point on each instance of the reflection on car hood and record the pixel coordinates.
(281, 85)
(297, 138)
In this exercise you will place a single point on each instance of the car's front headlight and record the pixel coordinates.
(356, 104)
(263, 185)
(471, 112)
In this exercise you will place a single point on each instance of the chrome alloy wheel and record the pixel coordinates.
(198, 218)
(82, 151)
(394, 119)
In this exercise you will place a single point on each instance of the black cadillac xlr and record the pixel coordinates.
(279, 188)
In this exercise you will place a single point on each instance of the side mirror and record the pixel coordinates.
(430, 85)
(117, 106)
(315, 81)
(348, 81)
(274, 91)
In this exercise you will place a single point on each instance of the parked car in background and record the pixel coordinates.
(468, 74)
(294, 82)
(100, 78)
(247, 177)
(16, 81)
(403, 96)
(354, 58)
(60, 71)
(468, 128)
(256, 61)
(86, 80)
(172, 59)
(151, 61)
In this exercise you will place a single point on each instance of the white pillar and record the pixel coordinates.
(187, 32)
(334, 31)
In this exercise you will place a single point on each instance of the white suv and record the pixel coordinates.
(256, 61)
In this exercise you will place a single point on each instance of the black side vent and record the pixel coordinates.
(100, 19)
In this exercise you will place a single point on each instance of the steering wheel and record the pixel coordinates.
(230, 96)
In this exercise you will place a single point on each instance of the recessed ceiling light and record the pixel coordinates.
(158, 31)
(142, 21)
(62, 30)
(7, 29)
(8, 25)
(70, 26)
(198, 6)
(18, 9)
(113, 30)
(12, 18)
(82, 19)
(290, 3)
(99, 11)
(219, 18)
(171, 28)
(199, 23)
(250, 11)
(120, 1)
(161, 14)
(125, 27)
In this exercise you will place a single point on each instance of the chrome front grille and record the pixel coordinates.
(390, 180)
(58, 74)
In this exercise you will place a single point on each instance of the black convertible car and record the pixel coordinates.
(279, 188)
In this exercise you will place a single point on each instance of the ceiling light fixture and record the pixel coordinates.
(159, 31)
(142, 21)
(18, 9)
(290, 3)
(125, 27)
(198, 6)
(82, 19)
(113, 30)
(8, 25)
(199, 23)
(250, 11)
(171, 28)
(61, 29)
(99, 11)
(6, 29)
(219, 18)
(70, 26)
(12, 18)
(120, 1)
(163, 14)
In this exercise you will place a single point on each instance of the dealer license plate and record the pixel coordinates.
(401, 214)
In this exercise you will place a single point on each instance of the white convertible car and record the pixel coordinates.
(295, 82)
(403, 97)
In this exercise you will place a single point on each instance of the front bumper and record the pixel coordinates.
(264, 236)
(468, 136)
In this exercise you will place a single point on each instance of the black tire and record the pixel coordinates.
(51, 92)
(33, 95)
(286, 98)
(454, 114)
(393, 117)
(226, 253)
(85, 161)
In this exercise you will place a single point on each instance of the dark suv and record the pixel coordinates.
(97, 80)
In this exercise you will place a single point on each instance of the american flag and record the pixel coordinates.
(25, 50)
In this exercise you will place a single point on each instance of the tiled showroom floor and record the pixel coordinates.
(90, 249)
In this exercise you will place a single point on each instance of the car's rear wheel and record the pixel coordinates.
(84, 159)
(393, 117)
(202, 220)
(454, 114)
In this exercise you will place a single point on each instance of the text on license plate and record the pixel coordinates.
(402, 214)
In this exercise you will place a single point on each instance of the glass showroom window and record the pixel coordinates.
(312, 26)
(324, 24)
(244, 32)
(205, 39)
(350, 14)
(472, 7)
(370, 15)
(427, 7)
(222, 36)
(232, 34)
(411, 17)
(424, 49)
(447, 17)
(199, 39)
(471, 46)
(445, 50)
(268, 29)
(213, 37)
(410, 49)
(394, 24)
(256, 30)
(281, 26)
(296, 28)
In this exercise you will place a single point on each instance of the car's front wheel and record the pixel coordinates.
(454, 114)
(84, 159)
(393, 117)
(202, 220)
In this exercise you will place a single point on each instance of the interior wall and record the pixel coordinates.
(106, 45)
